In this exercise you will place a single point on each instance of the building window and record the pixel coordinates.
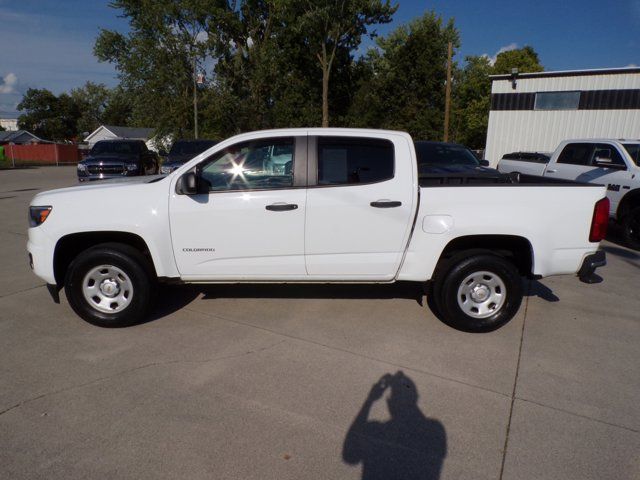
(557, 100)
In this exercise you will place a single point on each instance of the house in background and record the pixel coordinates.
(9, 124)
(534, 112)
(110, 132)
(19, 137)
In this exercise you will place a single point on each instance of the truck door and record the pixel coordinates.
(608, 168)
(248, 221)
(360, 206)
(597, 163)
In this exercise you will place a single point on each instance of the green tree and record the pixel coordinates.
(525, 59)
(328, 27)
(165, 47)
(471, 102)
(472, 91)
(48, 116)
(403, 86)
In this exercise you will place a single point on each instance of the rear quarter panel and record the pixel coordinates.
(528, 168)
(554, 219)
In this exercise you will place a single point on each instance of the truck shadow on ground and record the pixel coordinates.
(170, 299)
(408, 445)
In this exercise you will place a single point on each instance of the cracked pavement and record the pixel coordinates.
(259, 381)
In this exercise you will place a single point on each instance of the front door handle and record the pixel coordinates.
(281, 207)
(385, 204)
(551, 170)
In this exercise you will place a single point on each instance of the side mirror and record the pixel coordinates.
(484, 163)
(603, 162)
(188, 184)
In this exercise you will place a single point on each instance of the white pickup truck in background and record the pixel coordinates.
(315, 205)
(613, 163)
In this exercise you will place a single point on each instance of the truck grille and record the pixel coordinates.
(106, 169)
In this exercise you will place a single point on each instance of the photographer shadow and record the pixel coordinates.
(408, 446)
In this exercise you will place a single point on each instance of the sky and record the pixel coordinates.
(48, 43)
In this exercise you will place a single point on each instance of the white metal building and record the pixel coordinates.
(110, 132)
(534, 112)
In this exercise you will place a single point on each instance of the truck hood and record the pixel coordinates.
(120, 184)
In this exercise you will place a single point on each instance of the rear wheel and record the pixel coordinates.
(479, 293)
(110, 285)
(631, 228)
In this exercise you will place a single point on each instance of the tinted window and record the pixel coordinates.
(576, 154)
(115, 147)
(442, 154)
(607, 151)
(354, 160)
(260, 164)
(188, 148)
(633, 149)
(557, 100)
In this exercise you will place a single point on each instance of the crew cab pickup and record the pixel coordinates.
(613, 163)
(315, 205)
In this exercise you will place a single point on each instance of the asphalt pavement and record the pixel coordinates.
(331, 382)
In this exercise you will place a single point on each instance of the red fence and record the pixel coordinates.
(42, 154)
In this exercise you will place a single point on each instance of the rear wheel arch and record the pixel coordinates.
(514, 248)
(70, 246)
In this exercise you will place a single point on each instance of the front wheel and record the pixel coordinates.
(109, 285)
(479, 293)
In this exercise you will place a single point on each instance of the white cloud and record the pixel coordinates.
(506, 48)
(9, 83)
(631, 65)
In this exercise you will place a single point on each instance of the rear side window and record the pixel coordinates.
(351, 161)
(576, 154)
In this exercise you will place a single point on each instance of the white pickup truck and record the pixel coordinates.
(314, 205)
(613, 163)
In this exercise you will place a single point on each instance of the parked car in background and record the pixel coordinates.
(455, 160)
(183, 151)
(323, 205)
(116, 159)
(533, 157)
(613, 163)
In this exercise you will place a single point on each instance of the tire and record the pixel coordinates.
(110, 285)
(631, 228)
(478, 292)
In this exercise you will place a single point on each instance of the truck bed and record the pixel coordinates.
(469, 179)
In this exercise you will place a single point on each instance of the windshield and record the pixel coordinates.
(633, 149)
(190, 148)
(443, 154)
(114, 147)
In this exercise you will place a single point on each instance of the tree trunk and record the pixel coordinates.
(325, 96)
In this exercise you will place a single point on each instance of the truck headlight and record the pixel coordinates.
(131, 167)
(38, 215)
(82, 167)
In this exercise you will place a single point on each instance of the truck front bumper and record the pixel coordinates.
(587, 272)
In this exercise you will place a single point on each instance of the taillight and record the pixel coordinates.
(600, 221)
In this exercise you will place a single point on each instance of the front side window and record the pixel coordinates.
(576, 154)
(253, 165)
(557, 100)
(347, 160)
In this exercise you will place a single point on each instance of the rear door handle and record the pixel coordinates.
(551, 170)
(385, 204)
(281, 207)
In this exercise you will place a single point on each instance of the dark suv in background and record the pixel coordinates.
(182, 151)
(116, 159)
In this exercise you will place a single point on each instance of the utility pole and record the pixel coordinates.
(195, 98)
(447, 98)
